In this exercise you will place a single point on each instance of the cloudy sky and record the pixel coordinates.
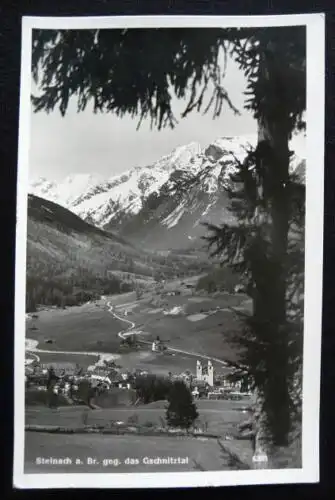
(106, 145)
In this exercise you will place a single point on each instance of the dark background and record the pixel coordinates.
(10, 47)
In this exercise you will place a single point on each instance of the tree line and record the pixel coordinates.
(61, 292)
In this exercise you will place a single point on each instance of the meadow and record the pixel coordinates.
(220, 417)
(82, 360)
(111, 453)
(80, 328)
(91, 328)
(211, 335)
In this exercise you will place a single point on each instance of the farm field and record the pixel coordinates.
(221, 416)
(80, 328)
(83, 360)
(92, 328)
(192, 330)
(168, 362)
(201, 454)
(204, 327)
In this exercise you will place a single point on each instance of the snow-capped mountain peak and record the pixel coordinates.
(180, 157)
(154, 190)
(67, 191)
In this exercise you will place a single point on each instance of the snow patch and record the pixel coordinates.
(207, 209)
(174, 311)
(174, 217)
(197, 317)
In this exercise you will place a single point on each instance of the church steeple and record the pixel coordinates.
(199, 370)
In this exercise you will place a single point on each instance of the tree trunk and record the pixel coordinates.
(261, 441)
(269, 271)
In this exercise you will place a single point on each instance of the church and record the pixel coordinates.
(205, 373)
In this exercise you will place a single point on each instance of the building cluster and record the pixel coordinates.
(67, 378)
(207, 383)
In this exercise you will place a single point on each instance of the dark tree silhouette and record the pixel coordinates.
(119, 71)
(181, 410)
(51, 378)
(152, 388)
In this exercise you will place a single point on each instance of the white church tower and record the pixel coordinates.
(199, 370)
(210, 376)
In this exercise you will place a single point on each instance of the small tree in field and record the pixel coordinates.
(181, 411)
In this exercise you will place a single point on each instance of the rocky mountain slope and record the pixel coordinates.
(61, 244)
(154, 205)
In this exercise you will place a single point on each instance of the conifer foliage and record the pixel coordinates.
(266, 244)
(181, 410)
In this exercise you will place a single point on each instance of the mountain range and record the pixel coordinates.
(160, 206)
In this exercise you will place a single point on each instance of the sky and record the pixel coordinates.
(106, 145)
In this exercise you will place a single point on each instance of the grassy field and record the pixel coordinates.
(198, 303)
(210, 336)
(168, 362)
(83, 360)
(221, 416)
(92, 328)
(33, 397)
(82, 328)
(111, 453)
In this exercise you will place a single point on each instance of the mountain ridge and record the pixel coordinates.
(147, 205)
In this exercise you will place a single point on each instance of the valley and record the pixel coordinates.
(195, 325)
(70, 262)
(122, 291)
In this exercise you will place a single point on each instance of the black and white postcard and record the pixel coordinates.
(169, 251)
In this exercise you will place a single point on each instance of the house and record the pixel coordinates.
(196, 393)
(98, 381)
(158, 346)
(102, 371)
(35, 364)
(124, 385)
(228, 385)
(201, 386)
(215, 395)
(29, 370)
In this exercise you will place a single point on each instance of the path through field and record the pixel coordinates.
(31, 345)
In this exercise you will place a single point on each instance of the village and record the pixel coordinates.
(73, 382)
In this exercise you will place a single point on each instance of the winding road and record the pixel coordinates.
(32, 349)
(123, 334)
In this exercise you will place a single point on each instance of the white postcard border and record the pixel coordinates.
(309, 473)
